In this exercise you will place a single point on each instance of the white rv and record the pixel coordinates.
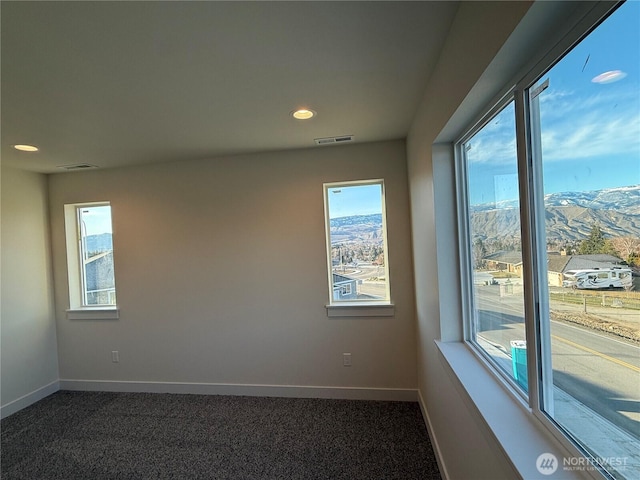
(597, 278)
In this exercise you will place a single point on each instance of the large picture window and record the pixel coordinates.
(491, 165)
(550, 206)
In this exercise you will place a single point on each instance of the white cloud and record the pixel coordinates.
(495, 143)
(590, 131)
(498, 149)
(574, 127)
(603, 124)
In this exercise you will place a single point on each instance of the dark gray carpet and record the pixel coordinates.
(90, 436)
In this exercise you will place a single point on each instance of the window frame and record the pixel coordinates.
(78, 309)
(523, 91)
(354, 307)
(465, 246)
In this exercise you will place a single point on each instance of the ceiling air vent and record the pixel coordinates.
(78, 166)
(333, 140)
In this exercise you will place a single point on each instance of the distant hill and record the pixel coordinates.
(354, 228)
(574, 223)
(372, 219)
(622, 200)
(569, 216)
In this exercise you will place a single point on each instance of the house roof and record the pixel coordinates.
(337, 278)
(512, 257)
(560, 263)
(601, 257)
(99, 256)
(581, 262)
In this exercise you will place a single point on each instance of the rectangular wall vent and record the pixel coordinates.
(330, 140)
(78, 166)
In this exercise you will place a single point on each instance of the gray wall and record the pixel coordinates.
(464, 443)
(29, 356)
(221, 274)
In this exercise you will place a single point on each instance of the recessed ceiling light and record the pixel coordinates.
(609, 77)
(303, 114)
(26, 148)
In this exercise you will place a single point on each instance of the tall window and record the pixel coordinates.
(497, 300)
(90, 255)
(550, 195)
(356, 242)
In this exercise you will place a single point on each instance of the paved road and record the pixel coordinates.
(601, 372)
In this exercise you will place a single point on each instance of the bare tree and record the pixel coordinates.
(479, 252)
(628, 248)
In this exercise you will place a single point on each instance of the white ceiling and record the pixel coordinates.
(122, 83)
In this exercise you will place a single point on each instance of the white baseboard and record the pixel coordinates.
(29, 399)
(290, 391)
(434, 441)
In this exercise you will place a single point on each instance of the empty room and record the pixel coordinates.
(317, 239)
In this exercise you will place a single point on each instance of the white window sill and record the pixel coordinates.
(361, 310)
(519, 434)
(93, 313)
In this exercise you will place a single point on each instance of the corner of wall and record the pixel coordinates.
(29, 356)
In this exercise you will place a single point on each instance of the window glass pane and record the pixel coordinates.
(588, 119)
(357, 248)
(494, 233)
(96, 255)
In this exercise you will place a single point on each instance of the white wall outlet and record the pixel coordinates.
(346, 359)
(115, 356)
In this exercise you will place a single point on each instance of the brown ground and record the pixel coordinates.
(622, 327)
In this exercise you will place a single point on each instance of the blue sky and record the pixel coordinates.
(590, 128)
(97, 220)
(354, 200)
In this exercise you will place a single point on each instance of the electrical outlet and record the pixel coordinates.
(115, 356)
(346, 359)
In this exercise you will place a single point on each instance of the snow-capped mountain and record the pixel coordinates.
(569, 216)
(622, 200)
